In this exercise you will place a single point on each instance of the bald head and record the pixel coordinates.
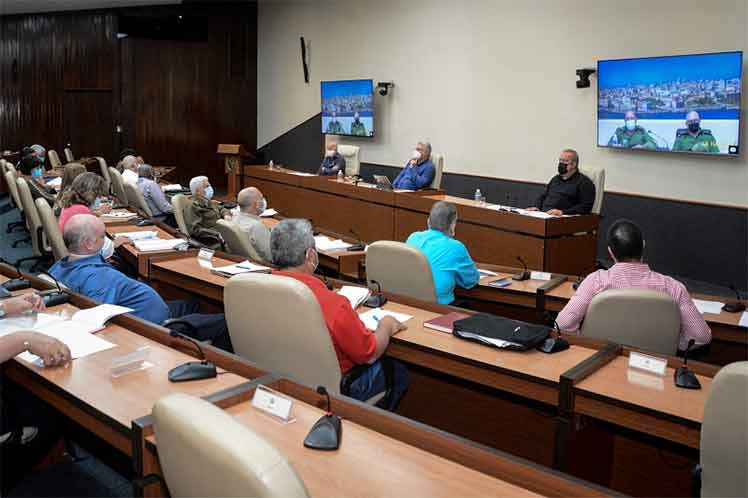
(250, 200)
(84, 234)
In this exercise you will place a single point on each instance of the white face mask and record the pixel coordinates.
(209, 192)
(329, 153)
(107, 250)
(630, 124)
(416, 155)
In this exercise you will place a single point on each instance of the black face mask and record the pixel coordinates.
(693, 127)
(563, 168)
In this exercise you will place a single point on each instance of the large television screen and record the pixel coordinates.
(684, 103)
(348, 107)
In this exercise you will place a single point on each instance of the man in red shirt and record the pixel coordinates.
(293, 251)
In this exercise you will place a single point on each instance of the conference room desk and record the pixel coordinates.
(405, 459)
(561, 244)
(132, 256)
(529, 299)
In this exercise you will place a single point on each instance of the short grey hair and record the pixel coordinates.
(196, 183)
(145, 170)
(575, 155)
(247, 196)
(129, 162)
(289, 242)
(40, 151)
(427, 145)
(443, 215)
(78, 230)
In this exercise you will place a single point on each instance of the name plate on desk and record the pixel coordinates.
(540, 275)
(206, 254)
(272, 403)
(647, 363)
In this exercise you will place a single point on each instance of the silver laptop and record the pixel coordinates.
(382, 182)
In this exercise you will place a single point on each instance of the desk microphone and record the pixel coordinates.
(376, 300)
(735, 307)
(54, 297)
(683, 376)
(17, 283)
(192, 370)
(359, 246)
(326, 432)
(524, 275)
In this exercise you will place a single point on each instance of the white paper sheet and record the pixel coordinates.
(743, 320)
(372, 317)
(76, 338)
(324, 243)
(268, 213)
(714, 307)
(144, 235)
(157, 244)
(356, 295)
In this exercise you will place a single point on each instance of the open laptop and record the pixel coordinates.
(382, 182)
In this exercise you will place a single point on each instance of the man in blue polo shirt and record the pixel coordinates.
(419, 172)
(84, 271)
(450, 261)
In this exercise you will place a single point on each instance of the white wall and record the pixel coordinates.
(491, 83)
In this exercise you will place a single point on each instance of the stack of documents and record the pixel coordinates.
(239, 268)
(324, 243)
(356, 295)
(151, 245)
(76, 333)
(174, 187)
(712, 307)
(144, 235)
(119, 214)
(372, 317)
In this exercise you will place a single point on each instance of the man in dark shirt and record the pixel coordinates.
(569, 192)
(333, 161)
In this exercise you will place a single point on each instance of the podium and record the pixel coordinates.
(233, 158)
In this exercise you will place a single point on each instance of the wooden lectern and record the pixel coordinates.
(233, 159)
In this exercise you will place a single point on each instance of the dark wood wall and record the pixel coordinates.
(68, 78)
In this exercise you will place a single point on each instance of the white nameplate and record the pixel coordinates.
(272, 403)
(205, 254)
(647, 363)
(540, 275)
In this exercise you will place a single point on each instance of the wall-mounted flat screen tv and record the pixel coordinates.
(683, 103)
(348, 107)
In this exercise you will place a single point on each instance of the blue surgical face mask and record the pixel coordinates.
(209, 192)
(96, 204)
(263, 205)
(107, 249)
(630, 124)
(36, 173)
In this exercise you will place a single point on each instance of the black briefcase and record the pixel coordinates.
(500, 332)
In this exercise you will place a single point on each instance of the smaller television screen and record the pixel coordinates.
(685, 103)
(348, 108)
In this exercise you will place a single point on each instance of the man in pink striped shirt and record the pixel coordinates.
(626, 247)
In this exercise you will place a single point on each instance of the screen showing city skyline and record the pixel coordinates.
(685, 103)
(348, 107)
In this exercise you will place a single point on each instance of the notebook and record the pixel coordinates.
(88, 321)
(444, 323)
(372, 317)
(239, 268)
(356, 295)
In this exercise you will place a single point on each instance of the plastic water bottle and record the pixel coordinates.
(478, 196)
(340, 175)
(271, 165)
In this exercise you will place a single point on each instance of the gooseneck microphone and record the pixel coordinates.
(376, 300)
(325, 434)
(683, 375)
(738, 305)
(525, 274)
(18, 283)
(192, 370)
(54, 297)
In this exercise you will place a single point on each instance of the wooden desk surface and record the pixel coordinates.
(368, 463)
(190, 268)
(531, 363)
(131, 396)
(659, 394)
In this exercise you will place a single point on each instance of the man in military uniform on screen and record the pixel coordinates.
(694, 138)
(357, 127)
(334, 127)
(631, 135)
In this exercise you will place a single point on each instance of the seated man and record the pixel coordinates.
(626, 247)
(450, 262)
(84, 271)
(631, 135)
(154, 196)
(251, 205)
(292, 246)
(41, 153)
(419, 172)
(693, 137)
(569, 192)
(31, 170)
(202, 214)
(333, 161)
(130, 170)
